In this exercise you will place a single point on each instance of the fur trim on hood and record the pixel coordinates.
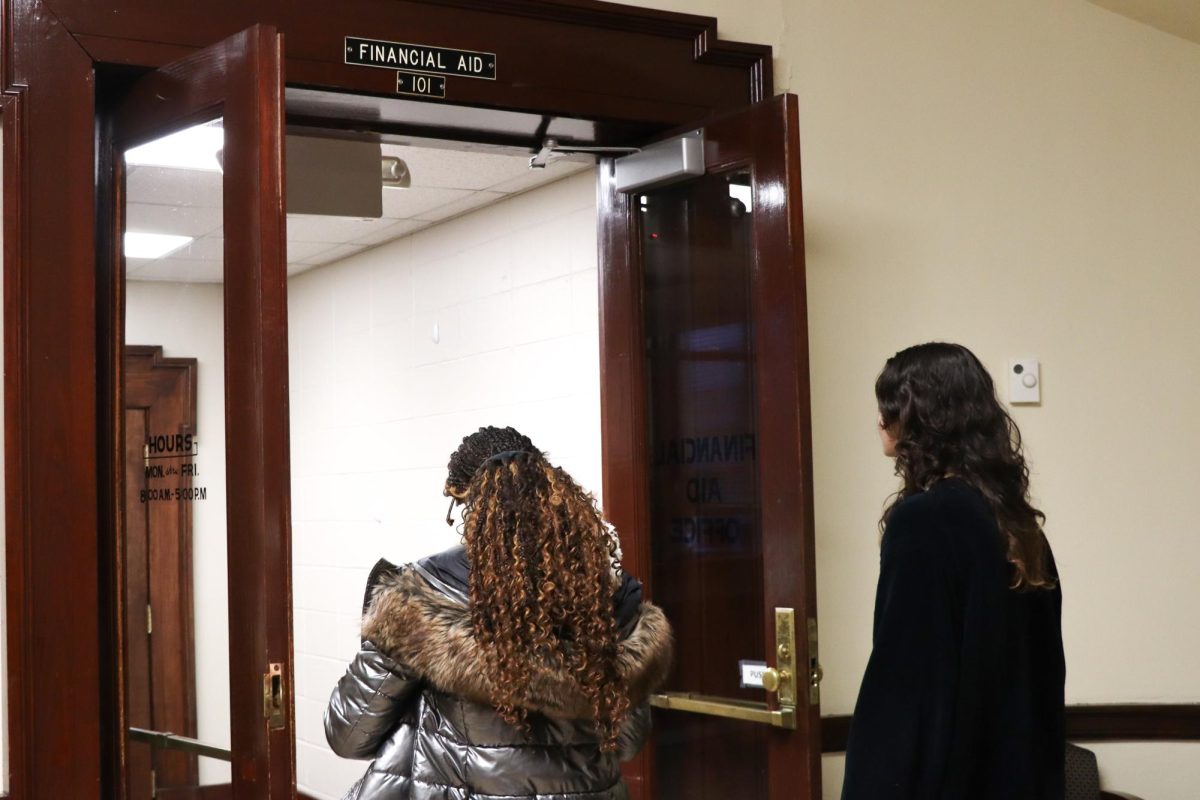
(430, 635)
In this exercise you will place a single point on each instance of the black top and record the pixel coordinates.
(449, 571)
(963, 695)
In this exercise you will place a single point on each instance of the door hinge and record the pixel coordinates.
(149, 620)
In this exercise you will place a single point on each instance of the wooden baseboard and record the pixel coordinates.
(1085, 723)
(212, 791)
(834, 733)
(1136, 723)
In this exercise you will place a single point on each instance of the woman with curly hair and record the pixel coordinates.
(516, 666)
(963, 694)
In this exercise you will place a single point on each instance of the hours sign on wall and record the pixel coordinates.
(420, 68)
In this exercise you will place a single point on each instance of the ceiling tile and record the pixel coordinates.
(302, 251)
(174, 187)
(535, 177)
(446, 184)
(333, 230)
(468, 203)
(295, 269)
(135, 265)
(206, 248)
(334, 253)
(182, 270)
(393, 231)
(410, 203)
(178, 220)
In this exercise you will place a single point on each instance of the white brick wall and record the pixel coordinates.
(378, 405)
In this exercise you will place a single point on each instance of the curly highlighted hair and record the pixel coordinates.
(541, 579)
(940, 404)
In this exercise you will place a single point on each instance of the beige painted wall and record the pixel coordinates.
(1022, 177)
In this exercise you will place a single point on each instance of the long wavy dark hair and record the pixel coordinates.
(541, 578)
(939, 403)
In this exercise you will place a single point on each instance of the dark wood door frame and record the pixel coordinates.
(630, 72)
(240, 80)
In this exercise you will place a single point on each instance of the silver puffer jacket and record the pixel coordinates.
(415, 702)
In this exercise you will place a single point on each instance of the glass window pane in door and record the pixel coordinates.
(698, 257)
(175, 584)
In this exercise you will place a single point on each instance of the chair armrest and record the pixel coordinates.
(1107, 795)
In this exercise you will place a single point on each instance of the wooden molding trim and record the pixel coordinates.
(1123, 723)
(217, 791)
(708, 47)
(16, 551)
(835, 731)
(50, 421)
(151, 42)
(1085, 723)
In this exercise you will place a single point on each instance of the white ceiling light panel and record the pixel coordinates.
(191, 148)
(152, 245)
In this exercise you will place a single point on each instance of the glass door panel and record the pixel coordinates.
(707, 535)
(706, 286)
(176, 643)
(201, 494)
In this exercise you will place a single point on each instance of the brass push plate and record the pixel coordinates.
(744, 710)
(782, 679)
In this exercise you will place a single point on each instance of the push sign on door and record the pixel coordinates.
(752, 674)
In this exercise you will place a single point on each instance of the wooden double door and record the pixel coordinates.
(707, 455)
(706, 435)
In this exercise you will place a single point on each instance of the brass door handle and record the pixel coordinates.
(171, 741)
(745, 710)
(773, 678)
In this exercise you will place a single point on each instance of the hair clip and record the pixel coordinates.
(505, 458)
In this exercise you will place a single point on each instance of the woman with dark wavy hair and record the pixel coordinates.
(963, 694)
(516, 666)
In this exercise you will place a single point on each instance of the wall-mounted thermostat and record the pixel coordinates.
(1024, 381)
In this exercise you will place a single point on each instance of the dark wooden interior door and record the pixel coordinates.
(236, 84)
(160, 397)
(708, 457)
